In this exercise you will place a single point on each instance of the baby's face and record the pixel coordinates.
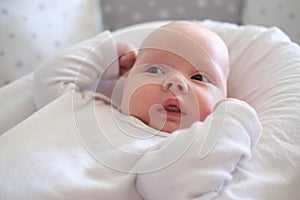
(176, 83)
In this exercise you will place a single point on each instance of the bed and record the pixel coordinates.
(265, 72)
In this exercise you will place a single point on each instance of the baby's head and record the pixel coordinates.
(179, 75)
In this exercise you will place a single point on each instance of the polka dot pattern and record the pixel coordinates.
(284, 14)
(117, 14)
(33, 30)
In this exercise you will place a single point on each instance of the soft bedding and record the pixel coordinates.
(265, 72)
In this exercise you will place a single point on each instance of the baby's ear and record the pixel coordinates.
(127, 56)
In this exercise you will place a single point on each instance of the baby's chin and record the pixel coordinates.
(170, 129)
(167, 129)
(169, 126)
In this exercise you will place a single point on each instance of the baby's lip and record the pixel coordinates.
(173, 105)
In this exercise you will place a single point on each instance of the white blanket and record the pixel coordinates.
(78, 151)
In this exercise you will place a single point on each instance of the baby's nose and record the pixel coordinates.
(176, 83)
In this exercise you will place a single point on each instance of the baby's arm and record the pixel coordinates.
(194, 166)
(78, 67)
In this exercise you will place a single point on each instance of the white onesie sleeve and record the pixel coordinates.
(76, 68)
(197, 163)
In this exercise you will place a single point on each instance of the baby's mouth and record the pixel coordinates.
(172, 108)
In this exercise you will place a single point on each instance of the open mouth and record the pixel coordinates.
(172, 108)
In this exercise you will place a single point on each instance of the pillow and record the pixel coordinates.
(284, 14)
(265, 72)
(33, 30)
(117, 14)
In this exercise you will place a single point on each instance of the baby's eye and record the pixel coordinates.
(154, 70)
(200, 77)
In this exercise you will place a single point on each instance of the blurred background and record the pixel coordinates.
(32, 30)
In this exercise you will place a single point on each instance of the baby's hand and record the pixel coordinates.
(127, 57)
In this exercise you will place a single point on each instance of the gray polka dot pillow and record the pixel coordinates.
(34, 30)
(117, 14)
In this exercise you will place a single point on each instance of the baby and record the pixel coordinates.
(179, 76)
(176, 83)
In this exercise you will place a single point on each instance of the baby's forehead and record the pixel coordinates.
(172, 57)
(198, 58)
(186, 35)
(196, 44)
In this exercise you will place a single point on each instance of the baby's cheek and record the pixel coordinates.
(205, 102)
(135, 102)
(205, 109)
(140, 102)
(205, 112)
